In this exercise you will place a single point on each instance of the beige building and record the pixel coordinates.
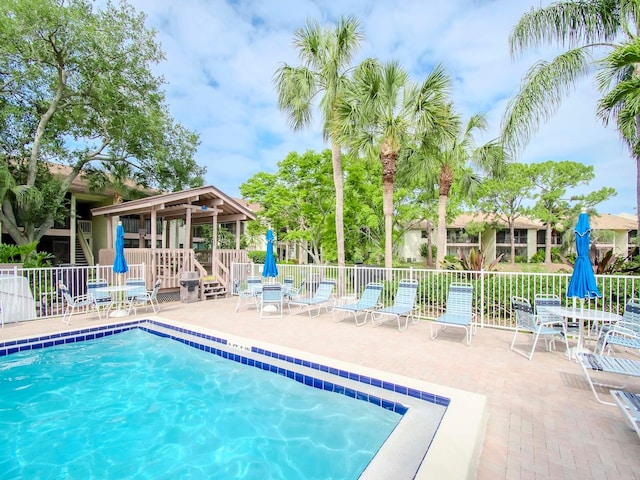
(609, 232)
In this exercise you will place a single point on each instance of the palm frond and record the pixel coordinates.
(568, 24)
(544, 87)
(296, 88)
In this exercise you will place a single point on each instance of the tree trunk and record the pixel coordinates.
(547, 250)
(429, 249)
(446, 179)
(513, 243)
(388, 157)
(441, 239)
(387, 208)
(336, 157)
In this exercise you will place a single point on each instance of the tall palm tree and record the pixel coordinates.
(381, 112)
(454, 154)
(326, 56)
(585, 27)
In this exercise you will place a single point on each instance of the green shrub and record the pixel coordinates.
(257, 256)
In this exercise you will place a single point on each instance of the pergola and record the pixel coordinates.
(196, 206)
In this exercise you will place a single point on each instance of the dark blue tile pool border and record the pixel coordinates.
(14, 346)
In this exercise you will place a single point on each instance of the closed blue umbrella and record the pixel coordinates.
(120, 263)
(583, 282)
(270, 269)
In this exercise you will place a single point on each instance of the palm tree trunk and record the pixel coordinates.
(387, 208)
(336, 157)
(441, 239)
(446, 179)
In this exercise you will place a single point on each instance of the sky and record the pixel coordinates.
(221, 56)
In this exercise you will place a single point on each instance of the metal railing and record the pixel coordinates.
(37, 288)
(492, 290)
(30, 293)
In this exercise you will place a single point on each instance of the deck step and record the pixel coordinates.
(212, 289)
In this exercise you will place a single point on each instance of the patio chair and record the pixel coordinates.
(458, 311)
(629, 404)
(294, 293)
(542, 300)
(544, 326)
(287, 284)
(250, 292)
(625, 333)
(138, 287)
(271, 296)
(101, 299)
(322, 298)
(403, 305)
(72, 303)
(367, 302)
(145, 299)
(591, 362)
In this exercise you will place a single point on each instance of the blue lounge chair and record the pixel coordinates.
(625, 333)
(367, 302)
(547, 326)
(458, 311)
(403, 306)
(322, 298)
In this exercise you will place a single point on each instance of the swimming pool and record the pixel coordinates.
(412, 450)
(137, 402)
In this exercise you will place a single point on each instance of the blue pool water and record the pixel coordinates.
(138, 405)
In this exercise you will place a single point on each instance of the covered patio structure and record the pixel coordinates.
(168, 256)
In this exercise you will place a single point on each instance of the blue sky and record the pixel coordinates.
(221, 57)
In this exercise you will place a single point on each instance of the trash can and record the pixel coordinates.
(189, 287)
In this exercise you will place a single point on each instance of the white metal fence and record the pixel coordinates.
(492, 290)
(37, 288)
(28, 293)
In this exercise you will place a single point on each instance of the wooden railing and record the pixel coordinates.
(168, 264)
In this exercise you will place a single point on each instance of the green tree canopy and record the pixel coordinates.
(76, 89)
(554, 205)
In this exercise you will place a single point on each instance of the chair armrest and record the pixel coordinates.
(620, 330)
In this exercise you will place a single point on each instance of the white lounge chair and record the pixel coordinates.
(458, 311)
(322, 298)
(403, 305)
(367, 302)
(591, 362)
(629, 404)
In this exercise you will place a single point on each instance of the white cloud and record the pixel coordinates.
(222, 55)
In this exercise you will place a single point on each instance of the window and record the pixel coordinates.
(519, 235)
(424, 234)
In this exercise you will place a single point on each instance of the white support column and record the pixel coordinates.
(153, 246)
(188, 241)
(214, 242)
(72, 224)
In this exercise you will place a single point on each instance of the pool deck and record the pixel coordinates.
(544, 421)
